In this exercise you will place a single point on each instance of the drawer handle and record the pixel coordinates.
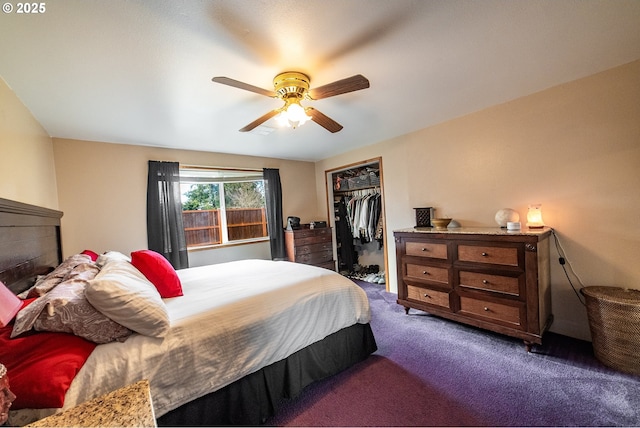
(424, 249)
(484, 254)
(427, 296)
(424, 272)
(486, 309)
(485, 282)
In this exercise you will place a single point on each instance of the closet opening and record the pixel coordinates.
(355, 199)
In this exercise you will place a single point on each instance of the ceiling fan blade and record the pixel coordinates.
(350, 84)
(323, 120)
(241, 85)
(259, 121)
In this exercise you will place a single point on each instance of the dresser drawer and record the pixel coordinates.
(305, 233)
(428, 273)
(313, 248)
(483, 281)
(315, 258)
(432, 297)
(496, 311)
(427, 249)
(507, 256)
(314, 239)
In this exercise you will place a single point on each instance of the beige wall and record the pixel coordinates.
(574, 148)
(27, 170)
(102, 192)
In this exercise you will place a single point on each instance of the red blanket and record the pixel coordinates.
(42, 365)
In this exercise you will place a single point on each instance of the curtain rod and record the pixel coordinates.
(220, 167)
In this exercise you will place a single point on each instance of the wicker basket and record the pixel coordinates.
(614, 320)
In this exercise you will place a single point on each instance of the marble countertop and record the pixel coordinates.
(130, 406)
(476, 230)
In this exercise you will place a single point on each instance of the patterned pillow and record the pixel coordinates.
(65, 309)
(46, 283)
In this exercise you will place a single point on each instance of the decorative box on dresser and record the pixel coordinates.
(310, 246)
(490, 278)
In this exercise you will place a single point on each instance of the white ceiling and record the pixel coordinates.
(139, 72)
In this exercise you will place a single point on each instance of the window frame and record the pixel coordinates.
(190, 174)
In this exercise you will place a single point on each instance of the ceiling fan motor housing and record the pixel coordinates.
(291, 84)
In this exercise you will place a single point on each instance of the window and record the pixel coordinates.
(221, 206)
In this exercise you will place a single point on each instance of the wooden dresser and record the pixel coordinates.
(486, 277)
(310, 246)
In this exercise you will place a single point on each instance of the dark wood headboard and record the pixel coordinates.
(29, 243)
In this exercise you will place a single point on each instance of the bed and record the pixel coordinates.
(242, 337)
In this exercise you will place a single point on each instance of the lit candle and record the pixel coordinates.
(534, 217)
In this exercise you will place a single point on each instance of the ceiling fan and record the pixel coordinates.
(292, 87)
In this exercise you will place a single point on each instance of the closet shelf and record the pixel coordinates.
(357, 179)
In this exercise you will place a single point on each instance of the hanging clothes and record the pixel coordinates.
(348, 256)
(363, 214)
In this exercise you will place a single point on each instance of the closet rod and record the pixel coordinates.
(359, 192)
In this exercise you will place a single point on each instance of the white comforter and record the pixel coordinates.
(233, 319)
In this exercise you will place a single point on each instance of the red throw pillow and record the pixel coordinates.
(92, 254)
(159, 271)
(41, 366)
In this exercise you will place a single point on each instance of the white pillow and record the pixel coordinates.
(122, 293)
(108, 256)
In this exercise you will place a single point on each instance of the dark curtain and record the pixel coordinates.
(275, 223)
(165, 228)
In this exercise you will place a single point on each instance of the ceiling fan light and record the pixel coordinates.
(282, 119)
(295, 113)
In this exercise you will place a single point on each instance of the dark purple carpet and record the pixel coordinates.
(432, 372)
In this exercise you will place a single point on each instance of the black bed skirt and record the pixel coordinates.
(255, 397)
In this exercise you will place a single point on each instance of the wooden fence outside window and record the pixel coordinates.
(202, 227)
